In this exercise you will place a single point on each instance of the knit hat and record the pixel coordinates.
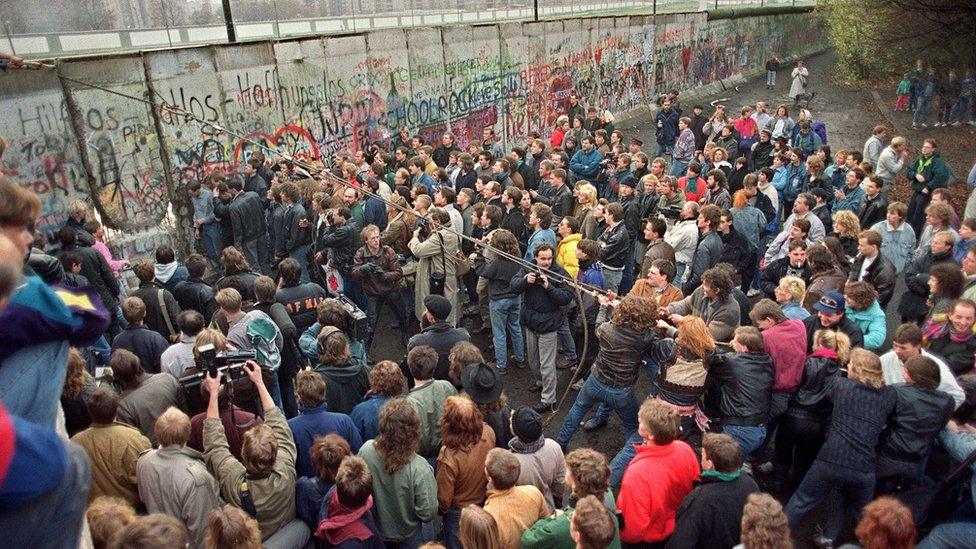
(438, 306)
(527, 424)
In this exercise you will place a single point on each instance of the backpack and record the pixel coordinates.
(820, 129)
(262, 333)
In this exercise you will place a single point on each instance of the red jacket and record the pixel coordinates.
(654, 484)
(692, 196)
(786, 343)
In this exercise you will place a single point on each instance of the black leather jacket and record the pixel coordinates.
(746, 384)
(615, 242)
(197, 295)
(812, 398)
(881, 275)
(919, 415)
(343, 241)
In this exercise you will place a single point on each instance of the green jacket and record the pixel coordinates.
(553, 532)
(274, 494)
(404, 500)
(937, 173)
(428, 399)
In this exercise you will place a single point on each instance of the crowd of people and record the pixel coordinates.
(232, 398)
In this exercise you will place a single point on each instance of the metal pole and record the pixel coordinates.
(7, 29)
(535, 10)
(229, 21)
(654, 8)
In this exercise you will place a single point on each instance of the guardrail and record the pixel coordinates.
(63, 44)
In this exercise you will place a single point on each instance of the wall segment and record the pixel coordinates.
(317, 96)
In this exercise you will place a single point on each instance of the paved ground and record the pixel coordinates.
(849, 116)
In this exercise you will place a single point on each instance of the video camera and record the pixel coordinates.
(227, 363)
(358, 323)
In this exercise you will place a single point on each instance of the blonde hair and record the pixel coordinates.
(764, 524)
(795, 285)
(848, 223)
(172, 427)
(259, 451)
(478, 529)
(836, 340)
(865, 366)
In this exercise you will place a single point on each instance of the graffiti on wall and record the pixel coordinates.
(313, 98)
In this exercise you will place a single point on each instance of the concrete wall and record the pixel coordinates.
(314, 97)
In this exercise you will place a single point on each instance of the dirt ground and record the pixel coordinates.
(850, 114)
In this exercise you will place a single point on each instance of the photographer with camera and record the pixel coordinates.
(436, 263)
(252, 331)
(262, 482)
(336, 246)
(378, 270)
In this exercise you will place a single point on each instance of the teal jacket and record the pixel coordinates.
(937, 173)
(872, 322)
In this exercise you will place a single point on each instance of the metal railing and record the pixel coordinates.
(101, 26)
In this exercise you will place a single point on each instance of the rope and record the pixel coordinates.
(312, 171)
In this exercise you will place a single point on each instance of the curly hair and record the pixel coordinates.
(399, 437)
(886, 524)
(820, 259)
(77, 377)
(461, 423)
(386, 378)
(848, 224)
(860, 295)
(463, 354)
(694, 336)
(635, 313)
(951, 280)
(764, 523)
(590, 472)
(505, 241)
(719, 280)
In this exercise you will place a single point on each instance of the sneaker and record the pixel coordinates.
(594, 424)
(578, 386)
(765, 468)
(936, 125)
(520, 364)
(537, 386)
(753, 292)
(914, 127)
(956, 123)
(925, 125)
(545, 407)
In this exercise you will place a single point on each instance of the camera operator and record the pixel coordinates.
(542, 315)
(615, 169)
(378, 270)
(436, 263)
(262, 482)
(236, 420)
(331, 312)
(253, 330)
(338, 244)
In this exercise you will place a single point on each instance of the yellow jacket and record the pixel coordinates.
(566, 254)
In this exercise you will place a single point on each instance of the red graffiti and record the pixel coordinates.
(294, 141)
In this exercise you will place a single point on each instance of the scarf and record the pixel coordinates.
(692, 185)
(824, 352)
(725, 477)
(343, 522)
(935, 330)
(519, 447)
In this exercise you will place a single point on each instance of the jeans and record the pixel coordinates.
(621, 400)
(541, 349)
(623, 458)
(31, 381)
(959, 532)
(922, 105)
(451, 528)
(300, 254)
(663, 149)
(505, 320)
(102, 349)
(293, 535)
(679, 273)
(274, 389)
(212, 240)
(771, 78)
(678, 168)
(749, 438)
(612, 278)
(850, 490)
(566, 343)
(53, 520)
